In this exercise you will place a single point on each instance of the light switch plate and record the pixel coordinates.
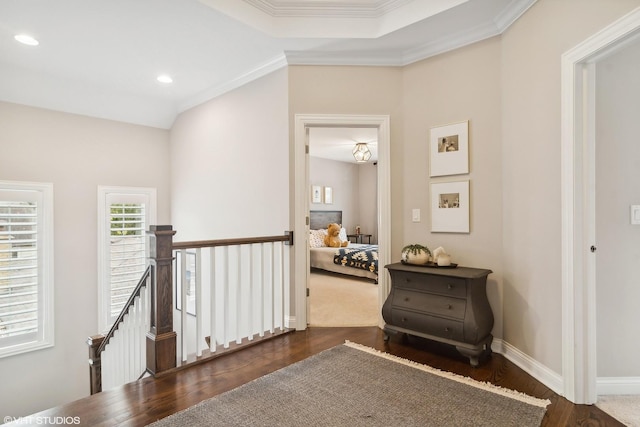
(415, 215)
(635, 214)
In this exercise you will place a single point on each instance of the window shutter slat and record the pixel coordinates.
(127, 256)
(18, 268)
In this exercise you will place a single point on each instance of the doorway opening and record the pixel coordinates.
(302, 196)
(343, 161)
(578, 112)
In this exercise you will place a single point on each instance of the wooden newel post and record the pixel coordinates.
(161, 338)
(95, 363)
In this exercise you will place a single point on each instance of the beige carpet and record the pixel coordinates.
(625, 409)
(339, 301)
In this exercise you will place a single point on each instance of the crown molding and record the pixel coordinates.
(344, 58)
(511, 13)
(327, 9)
(254, 74)
(486, 30)
(395, 59)
(331, 19)
(449, 43)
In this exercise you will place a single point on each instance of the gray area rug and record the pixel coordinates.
(353, 385)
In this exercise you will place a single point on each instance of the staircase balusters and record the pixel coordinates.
(240, 294)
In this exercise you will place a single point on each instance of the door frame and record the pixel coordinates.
(578, 208)
(301, 201)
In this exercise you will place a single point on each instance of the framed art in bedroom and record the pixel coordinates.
(450, 207)
(316, 194)
(328, 195)
(449, 149)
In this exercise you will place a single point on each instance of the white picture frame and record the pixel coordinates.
(316, 194)
(328, 195)
(449, 149)
(450, 207)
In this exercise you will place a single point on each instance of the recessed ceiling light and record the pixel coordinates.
(163, 78)
(26, 39)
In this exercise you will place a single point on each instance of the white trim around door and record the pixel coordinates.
(301, 196)
(578, 192)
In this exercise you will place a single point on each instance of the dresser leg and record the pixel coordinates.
(483, 349)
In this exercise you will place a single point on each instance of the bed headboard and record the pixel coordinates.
(321, 219)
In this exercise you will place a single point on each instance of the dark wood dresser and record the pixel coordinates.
(449, 305)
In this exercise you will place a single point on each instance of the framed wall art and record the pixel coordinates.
(450, 207)
(449, 149)
(316, 194)
(328, 195)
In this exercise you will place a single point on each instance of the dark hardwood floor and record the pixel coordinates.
(147, 400)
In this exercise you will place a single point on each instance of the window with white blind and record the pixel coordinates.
(124, 216)
(26, 267)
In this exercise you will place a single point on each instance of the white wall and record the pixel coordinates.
(617, 187)
(230, 164)
(76, 154)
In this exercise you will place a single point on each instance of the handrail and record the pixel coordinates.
(125, 309)
(287, 237)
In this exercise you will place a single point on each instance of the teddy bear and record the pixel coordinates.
(332, 238)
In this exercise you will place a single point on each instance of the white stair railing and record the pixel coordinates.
(208, 296)
(233, 291)
(120, 355)
(124, 359)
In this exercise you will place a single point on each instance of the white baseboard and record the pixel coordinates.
(537, 370)
(617, 385)
(290, 321)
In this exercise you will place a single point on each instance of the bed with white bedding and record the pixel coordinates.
(359, 260)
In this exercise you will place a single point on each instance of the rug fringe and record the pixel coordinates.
(487, 386)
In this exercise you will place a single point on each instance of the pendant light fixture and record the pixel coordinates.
(361, 152)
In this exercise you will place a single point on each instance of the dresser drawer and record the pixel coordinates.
(443, 285)
(429, 303)
(431, 325)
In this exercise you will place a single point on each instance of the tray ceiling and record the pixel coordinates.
(101, 58)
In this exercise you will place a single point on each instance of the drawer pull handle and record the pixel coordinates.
(449, 306)
(406, 299)
(449, 286)
(446, 329)
(404, 319)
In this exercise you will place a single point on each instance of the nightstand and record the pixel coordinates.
(359, 238)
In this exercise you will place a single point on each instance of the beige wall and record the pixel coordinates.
(454, 87)
(76, 154)
(230, 164)
(508, 87)
(531, 51)
(355, 90)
